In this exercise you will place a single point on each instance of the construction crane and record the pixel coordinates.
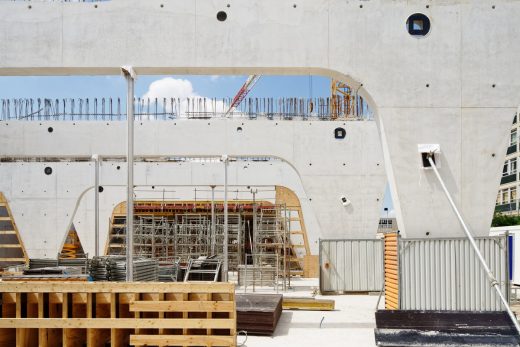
(242, 93)
(343, 102)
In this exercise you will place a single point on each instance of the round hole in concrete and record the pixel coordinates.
(418, 25)
(221, 16)
(239, 129)
(118, 167)
(48, 170)
(101, 189)
(50, 129)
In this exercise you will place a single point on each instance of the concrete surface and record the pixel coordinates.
(458, 86)
(318, 167)
(351, 324)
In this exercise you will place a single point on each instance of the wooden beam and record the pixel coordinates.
(181, 306)
(180, 340)
(307, 304)
(119, 323)
(115, 287)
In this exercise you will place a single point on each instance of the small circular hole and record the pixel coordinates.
(427, 233)
(494, 85)
(95, 6)
(294, 6)
(29, 7)
(221, 16)
(493, 7)
(427, 86)
(101, 189)
(360, 6)
(228, 5)
(239, 129)
(118, 167)
(50, 129)
(310, 164)
(48, 170)
(493, 155)
(418, 25)
(162, 5)
(427, 6)
(153, 187)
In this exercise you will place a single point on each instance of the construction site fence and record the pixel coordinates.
(445, 274)
(114, 109)
(351, 265)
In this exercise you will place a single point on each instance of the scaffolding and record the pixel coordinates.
(259, 239)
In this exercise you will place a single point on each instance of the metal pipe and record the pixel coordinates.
(251, 239)
(491, 277)
(213, 230)
(96, 204)
(225, 267)
(130, 80)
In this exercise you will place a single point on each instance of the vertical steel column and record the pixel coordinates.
(213, 220)
(491, 277)
(225, 266)
(95, 157)
(129, 74)
(252, 239)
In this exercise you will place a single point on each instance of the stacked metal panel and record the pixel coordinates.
(110, 268)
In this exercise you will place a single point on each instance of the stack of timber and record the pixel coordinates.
(308, 304)
(391, 271)
(117, 314)
(258, 314)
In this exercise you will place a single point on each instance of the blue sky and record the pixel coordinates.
(182, 86)
(114, 86)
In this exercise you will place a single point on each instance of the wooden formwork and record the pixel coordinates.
(48, 314)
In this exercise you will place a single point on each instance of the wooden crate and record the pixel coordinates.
(48, 314)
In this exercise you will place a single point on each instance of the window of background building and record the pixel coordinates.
(512, 193)
(505, 196)
(512, 166)
(504, 169)
(513, 137)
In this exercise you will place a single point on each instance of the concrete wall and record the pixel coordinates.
(457, 87)
(42, 204)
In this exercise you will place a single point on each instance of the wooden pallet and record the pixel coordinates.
(96, 314)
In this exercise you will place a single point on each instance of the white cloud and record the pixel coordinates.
(182, 89)
(170, 87)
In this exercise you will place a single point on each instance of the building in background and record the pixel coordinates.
(507, 200)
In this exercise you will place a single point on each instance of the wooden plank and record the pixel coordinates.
(117, 287)
(13, 259)
(307, 304)
(180, 340)
(42, 333)
(120, 323)
(7, 232)
(181, 306)
(311, 266)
